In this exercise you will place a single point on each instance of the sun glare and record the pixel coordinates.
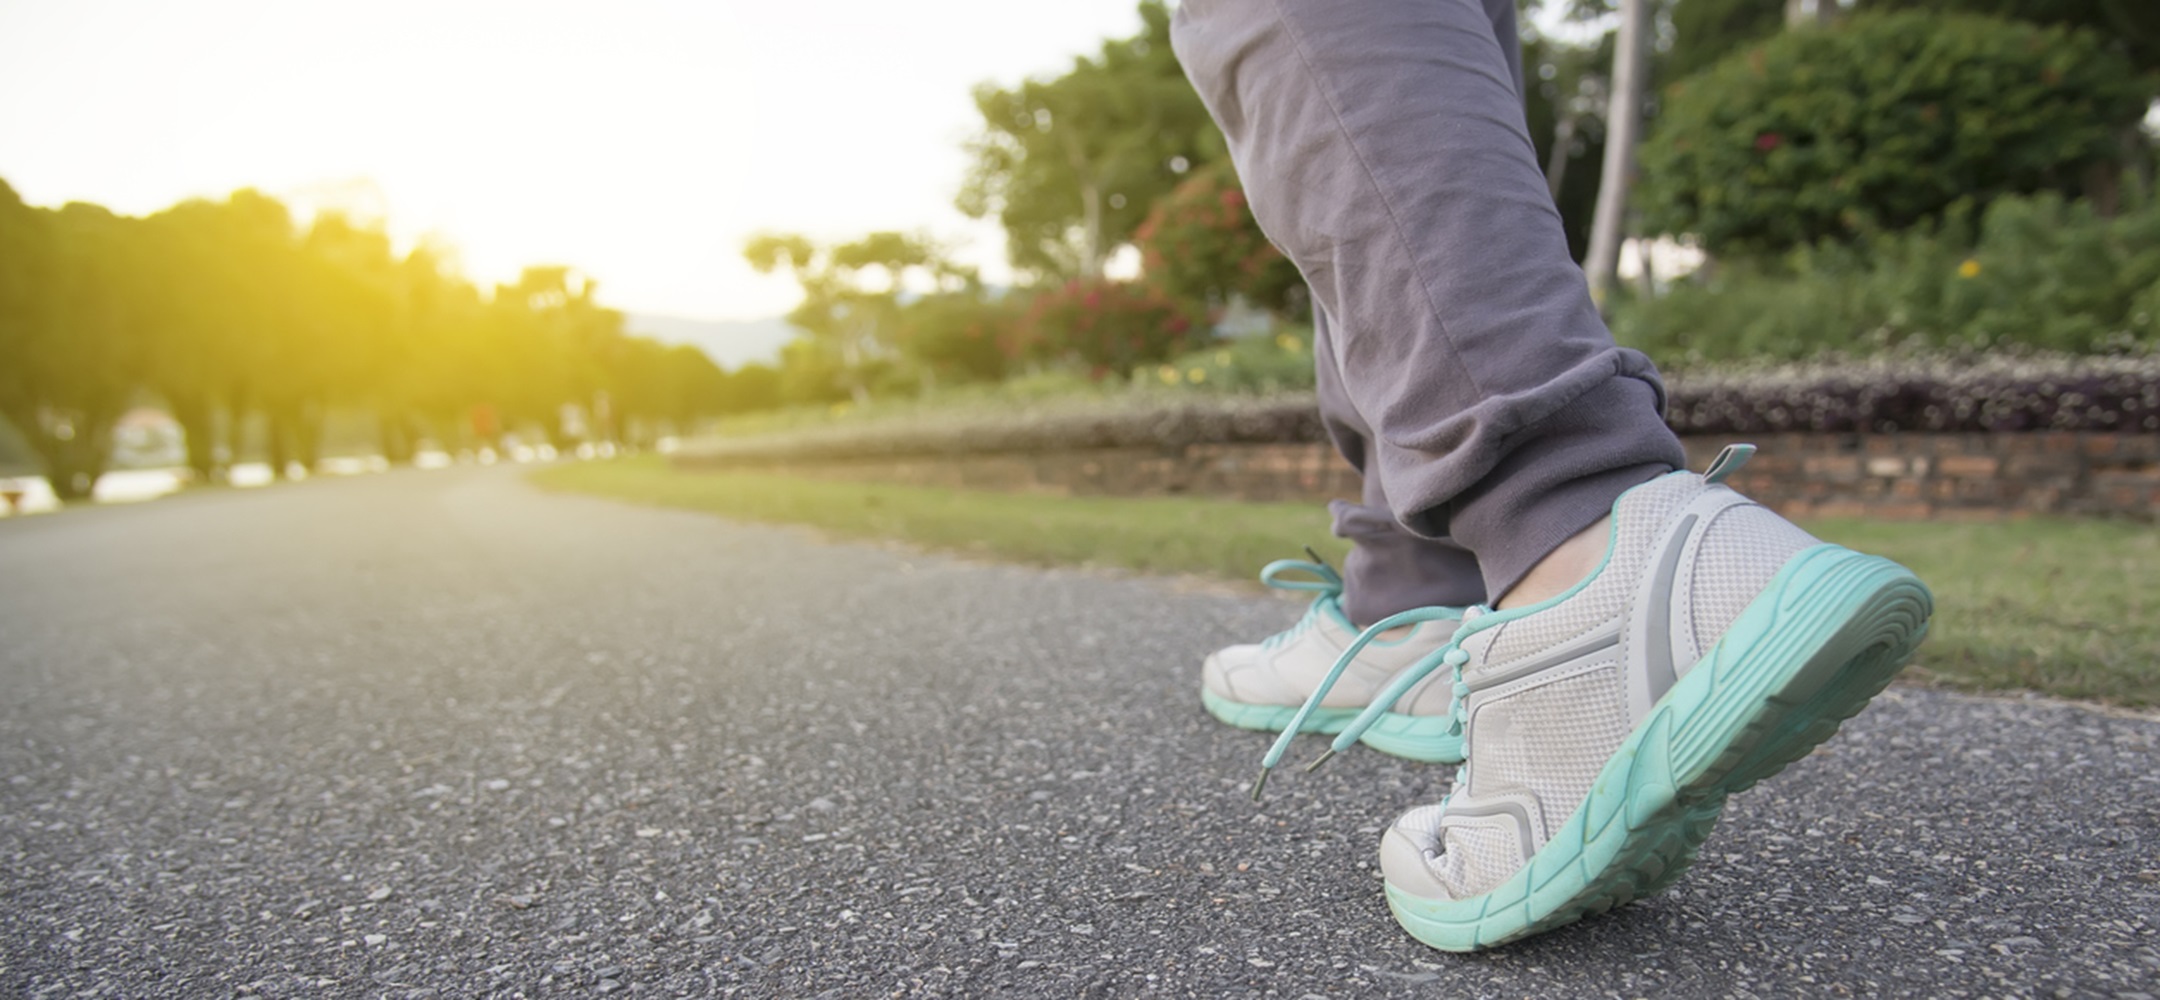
(639, 142)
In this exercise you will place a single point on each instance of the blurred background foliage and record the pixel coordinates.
(232, 315)
(1840, 179)
(1882, 125)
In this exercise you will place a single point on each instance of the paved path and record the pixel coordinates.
(441, 734)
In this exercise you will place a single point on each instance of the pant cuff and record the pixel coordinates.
(1562, 477)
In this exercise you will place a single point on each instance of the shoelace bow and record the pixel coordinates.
(1451, 655)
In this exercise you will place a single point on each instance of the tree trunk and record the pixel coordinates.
(198, 424)
(1091, 231)
(281, 439)
(308, 421)
(1623, 126)
(393, 437)
(75, 450)
(1556, 164)
(1092, 252)
(236, 423)
(1800, 13)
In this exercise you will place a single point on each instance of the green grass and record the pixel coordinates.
(1217, 538)
(2066, 607)
(2063, 607)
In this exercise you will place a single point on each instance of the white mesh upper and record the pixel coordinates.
(1284, 674)
(1558, 735)
(1740, 551)
(1642, 515)
(1478, 858)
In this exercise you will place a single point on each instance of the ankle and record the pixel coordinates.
(1562, 568)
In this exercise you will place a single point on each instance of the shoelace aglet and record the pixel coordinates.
(1317, 761)
(1259, 784)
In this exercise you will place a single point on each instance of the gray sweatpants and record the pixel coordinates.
(1462, 366)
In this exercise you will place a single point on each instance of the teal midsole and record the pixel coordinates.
(1416, 737)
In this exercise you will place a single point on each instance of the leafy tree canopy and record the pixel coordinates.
(1880, 123)
(1069, 166)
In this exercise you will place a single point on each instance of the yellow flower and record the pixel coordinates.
(839, 409)
(1168, 374)
(1197, 375)
(1222, 359)
(1969, 269)
(1289, 344)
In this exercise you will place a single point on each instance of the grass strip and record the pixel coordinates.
(2058, 606)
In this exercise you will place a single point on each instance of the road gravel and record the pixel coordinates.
(443, 734)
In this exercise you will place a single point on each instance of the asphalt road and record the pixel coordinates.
(442, 734)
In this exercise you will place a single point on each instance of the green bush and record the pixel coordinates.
(962, 336)
(2036, 272)
(1880, 124)
(1273, 363)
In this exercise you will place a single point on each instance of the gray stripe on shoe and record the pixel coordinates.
(1595, 641)
(1658, 667)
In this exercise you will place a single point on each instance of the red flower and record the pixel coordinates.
(1768, 141)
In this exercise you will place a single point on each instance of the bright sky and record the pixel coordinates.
(638, 140)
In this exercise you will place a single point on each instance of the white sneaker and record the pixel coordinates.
(1606, 726)
(1261, 685)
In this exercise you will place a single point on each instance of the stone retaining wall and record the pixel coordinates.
(1892, 476)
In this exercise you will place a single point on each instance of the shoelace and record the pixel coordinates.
(1451, 655)
(1326, 582)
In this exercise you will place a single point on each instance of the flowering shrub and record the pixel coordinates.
(1200, 243)
(1995, 393)
(1254, 364)
(1109, 326)
(1878, 124)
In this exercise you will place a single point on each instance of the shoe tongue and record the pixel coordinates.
(1331, 604)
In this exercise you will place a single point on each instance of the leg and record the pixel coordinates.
(1260, 685)
(1383, 147)
(1390, 569)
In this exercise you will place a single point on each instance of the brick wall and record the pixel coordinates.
(1914, 476)
(1903, 476)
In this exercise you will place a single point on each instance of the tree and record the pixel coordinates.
(1623, 127)
(72, 319)
(224, 274)
(1069, 166)
(1201, 244)
(1880, 123)
(748, 389)
(557, 344)
(1705, 31)
(851, 296)
(227, 311)
(2131, 27)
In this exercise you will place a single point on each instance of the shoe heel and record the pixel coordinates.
(1828, 634)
